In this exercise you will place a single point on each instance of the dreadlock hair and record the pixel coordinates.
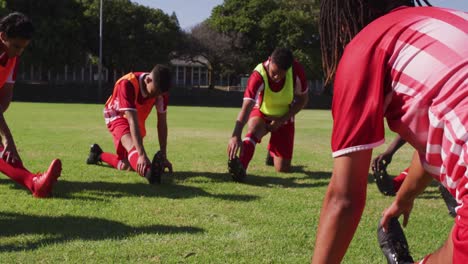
(341, 21)
(17, 25)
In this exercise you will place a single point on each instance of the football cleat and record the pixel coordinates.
(44, 182)
(237, 170)
(269, 159)
(384, 182)
(393, 243)
(156, 169)
(94, 154)
(449, 200)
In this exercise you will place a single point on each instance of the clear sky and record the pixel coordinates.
(189, 12)
(192, 12)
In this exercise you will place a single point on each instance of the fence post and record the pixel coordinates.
(91, 72)
(66, 73)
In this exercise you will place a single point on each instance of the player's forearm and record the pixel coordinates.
(162, 136)
(5, 133)
(395, 145)
(243, 117)
(415, 183)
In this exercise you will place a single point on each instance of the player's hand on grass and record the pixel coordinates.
(142, 164)
(234, 145)
(10, 153)
(381, 161)
(396, 209)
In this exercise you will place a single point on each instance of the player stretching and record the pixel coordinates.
(16, 31)
(125, 113)
(276, 91)
(410, 66)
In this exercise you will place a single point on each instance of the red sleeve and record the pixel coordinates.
(299, 73)
(126, 96)
(358, 100)
(254, 84)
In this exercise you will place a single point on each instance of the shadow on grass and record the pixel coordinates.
(67, 228)
(103, 191)
(290, 180)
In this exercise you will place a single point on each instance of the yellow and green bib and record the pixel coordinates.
(276, 103)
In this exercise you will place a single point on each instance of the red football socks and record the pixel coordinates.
(398, 181)
(112, 160)
(18, 173)
(133, 159)
(248, 149)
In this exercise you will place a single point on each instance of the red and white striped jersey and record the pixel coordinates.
(411, 67)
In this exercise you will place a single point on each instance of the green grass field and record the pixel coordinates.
(198, 215)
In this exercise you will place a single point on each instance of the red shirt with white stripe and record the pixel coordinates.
(411, 67)
(126, 100)
(255, 86)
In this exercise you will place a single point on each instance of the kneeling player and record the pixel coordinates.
(276, 92)
(125, 114)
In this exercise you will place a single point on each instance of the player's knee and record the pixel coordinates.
(283, 167)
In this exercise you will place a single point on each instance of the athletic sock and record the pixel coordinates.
(112, 160)
(398, 181)
(18, 173)
(133, 159)
(248, 149)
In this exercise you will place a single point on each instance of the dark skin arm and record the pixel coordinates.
(162, 137)
(143, 160)
(235, 142)
(381, 161)
(10, 151)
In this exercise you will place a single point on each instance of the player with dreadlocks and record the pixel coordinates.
(389, 59)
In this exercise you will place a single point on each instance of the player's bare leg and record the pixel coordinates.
(281, 164)
(444, 254)
(257, 127)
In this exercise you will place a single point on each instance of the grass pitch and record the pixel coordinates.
(198, 215)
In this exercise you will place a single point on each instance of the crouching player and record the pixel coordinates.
(410, 66)
(276, 92)
(125, 113)
(16, 31)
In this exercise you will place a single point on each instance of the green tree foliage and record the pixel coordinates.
(58, 39)
(267, 24)
(135, 37)
(218, 50)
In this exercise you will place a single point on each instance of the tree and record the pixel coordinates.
(267, 24)
(58, 40)
(135, 37)
(218, 50)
